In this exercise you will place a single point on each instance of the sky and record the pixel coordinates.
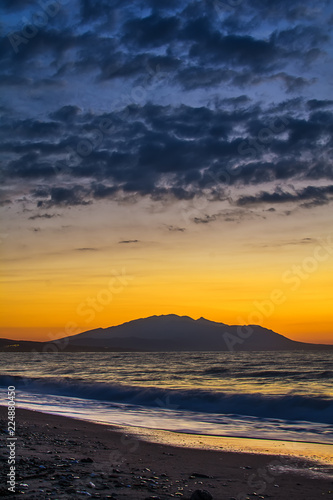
(164, 157)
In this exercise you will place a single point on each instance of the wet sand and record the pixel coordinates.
(59, 457)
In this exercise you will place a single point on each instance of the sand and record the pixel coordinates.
(59, 457)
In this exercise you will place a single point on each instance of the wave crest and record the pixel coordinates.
(288, 407)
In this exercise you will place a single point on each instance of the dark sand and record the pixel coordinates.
(59, 457)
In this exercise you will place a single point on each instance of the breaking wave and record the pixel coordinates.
(288, 407)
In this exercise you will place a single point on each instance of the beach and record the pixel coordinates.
(61, 457)
(167, 249)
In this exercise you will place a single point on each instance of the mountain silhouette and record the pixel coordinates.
(182, 333)
(167, 333)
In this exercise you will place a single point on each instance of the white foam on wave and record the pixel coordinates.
(171, 419)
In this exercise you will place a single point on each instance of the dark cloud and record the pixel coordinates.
(245, 51)
(240, 100)
(291, 106)
(101, 191)
(60, 196)
(144, 65)
(303, 241)
(29, 167)
(3, 203)
(260, 55)
(34, 42)
(283, 9)
(234, 59)
(43, 216)
(86, 249)
(301, 38)
(198, 52)
(317, 104)
(30, 129)
(176, 151)
(310, 196)
(101, 10)
(65, 113)
(231, 62)
(204, 220)
(193, 77)
(292, 83)
(176, 229)
(13, 81)
(129, 241)
(16, 4)
(151, 31)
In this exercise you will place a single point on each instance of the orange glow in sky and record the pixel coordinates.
(53, 288)
(166, 158)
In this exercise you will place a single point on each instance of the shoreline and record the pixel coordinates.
(62, 456)
(317, 451)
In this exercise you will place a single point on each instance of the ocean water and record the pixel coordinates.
(279, 395)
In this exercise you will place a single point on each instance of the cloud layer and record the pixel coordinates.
(166, 100)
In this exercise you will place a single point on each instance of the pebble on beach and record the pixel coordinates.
(201, 495)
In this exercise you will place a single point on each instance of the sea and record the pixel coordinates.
(268, 395)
